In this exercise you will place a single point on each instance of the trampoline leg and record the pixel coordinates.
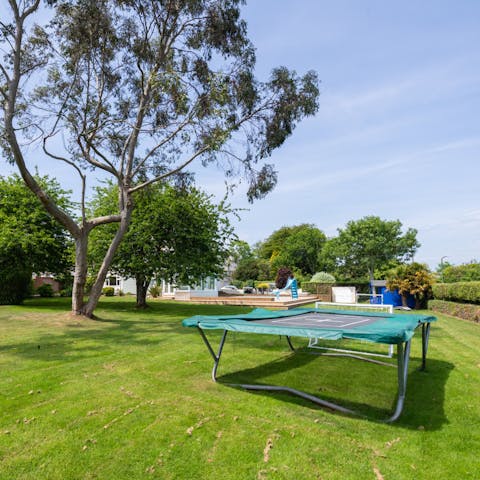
(425, 337)
(215, 356)
(403, 356)
(290, 344)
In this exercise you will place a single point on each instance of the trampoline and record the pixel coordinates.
(385, 328)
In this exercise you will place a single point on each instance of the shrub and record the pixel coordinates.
(283, 274)
(461, 310)
(263, 286)
(154, 291)
(467, 292)
(15, 277)
(14, 288)
(45, 290)
(108, 291)
(66, 292)
(413, 279)
(322, 277)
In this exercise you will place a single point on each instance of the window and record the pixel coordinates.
(112, 281)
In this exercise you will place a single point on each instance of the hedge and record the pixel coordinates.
(460, 310)
(468, 292)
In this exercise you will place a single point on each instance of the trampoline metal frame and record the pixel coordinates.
(403, 357)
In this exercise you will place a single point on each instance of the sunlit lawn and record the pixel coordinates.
(129, 396)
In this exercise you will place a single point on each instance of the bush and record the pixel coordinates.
(322, 277)
(66, 292)
(15, 277)
(412, 279)
(154, 291)
(466, 292)
(45, 290)
(461, 310)
(263, 287)
(108, 291)
(14, 288)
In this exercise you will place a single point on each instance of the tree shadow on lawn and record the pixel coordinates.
(425, 395)
(73, 339)
(123, 305)
(118, 323)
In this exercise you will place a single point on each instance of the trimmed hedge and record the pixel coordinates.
(460, 310)
(468, 292)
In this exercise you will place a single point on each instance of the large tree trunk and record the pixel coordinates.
(97, 287)
(80, 277)
(142, 290)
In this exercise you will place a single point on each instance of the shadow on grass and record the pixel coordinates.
(118, 323)
(425, 396)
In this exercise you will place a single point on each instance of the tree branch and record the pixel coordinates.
(171, 172)
(95, 222)
(162, 143)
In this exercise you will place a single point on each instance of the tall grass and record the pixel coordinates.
(129, 395)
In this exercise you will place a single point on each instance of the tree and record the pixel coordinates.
(298, 247)
(323, 277)
(248, 267)
(369, 243)
(178, 235)
(139, 90)
(30, 239)
(467, 272)
(414, 279)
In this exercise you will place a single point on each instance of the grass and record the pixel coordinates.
(129, 396)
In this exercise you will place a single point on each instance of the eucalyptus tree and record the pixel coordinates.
(139, 90)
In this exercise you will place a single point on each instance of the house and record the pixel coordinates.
(45, 278)
(121, 284)
(208, 287)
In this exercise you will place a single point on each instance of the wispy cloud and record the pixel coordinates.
(321, 178)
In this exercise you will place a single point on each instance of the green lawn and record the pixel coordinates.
(129, 396)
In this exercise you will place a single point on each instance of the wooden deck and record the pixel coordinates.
(259, 301)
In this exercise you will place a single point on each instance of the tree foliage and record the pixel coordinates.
(467, 272)
(414, 279)
(25, 225)
(30, 239)
(298, 247)
(368, 244)
(323, 277)
(178, 235)
(139, 90)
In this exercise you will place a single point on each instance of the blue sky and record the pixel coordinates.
(397, 133)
